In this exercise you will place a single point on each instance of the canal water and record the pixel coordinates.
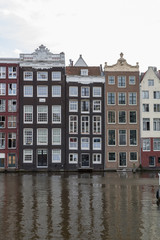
(71, 206)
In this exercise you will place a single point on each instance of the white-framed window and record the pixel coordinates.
(85, 126)
(12, 105)
(150, 82)
(111, 117)
(145, 107)
(42, 114)
(12, 89)
(27, 155)
(56, 114)
(85, 143)
(111, 80)
(111, 137)
(42, 136)
(56, 76)
(84, 72)
(12, 121)
(96, 105)
(133, 156)
(97, 142)
(28, 76)
(42, 76)
(73, 143)
(146, 144)
(85, 106)
(122, 117)
(97, 91)
(2, 140)
(2, 121)
(2, 89)
(145, 94)
(56, 136)
(122, 98)
(56, 155)
(85, 92)
(27, 136)
(121, 81)
(28, 114)
(122, 159)
(132, 80)
(132, 98)
(2, 105)
(11, 140)
(97, 158)
(156, 107)
(111, 156)
(42, 91)
(111, 98)
(156, 94)
(146, 124)
(2, 72)
(73, 91)
(133, 117)
(133, 138)
(73, 158)
(73, 105)
(122, 137)
(156, 124)
(56, 91)
(96, 124)
(12, 72)
(156, 144)
(28, 91)
(73, 124)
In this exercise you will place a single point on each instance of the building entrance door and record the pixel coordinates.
(42, 157)
(85, 161)
(11, 160)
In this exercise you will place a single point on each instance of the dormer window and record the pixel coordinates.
(84, 72)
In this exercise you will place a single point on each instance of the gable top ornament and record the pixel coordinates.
(121, 65)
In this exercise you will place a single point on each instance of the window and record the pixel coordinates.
(73, 91)
(2, 122)
(56, 76)
(97, 143)
(2, 72)
(111, 138)
(73, 143)
(156, 107)
(97, 158)
(111, 117)
(11, 140)
(133, 137)
(84, 124)
(150, 82)
(97, 91)
(132, 98)
(2, 89)
(84, 72)
(156, 124)
(132, 117)
(56, 91)
(85, 91)
(96, 124)
(96, 105)
(146, 124)
(73, 105)
(56, 155)
(28, 91)
(145, 107)
(132, 80)
(12, 122)
(2, 159)
(145, 94)
(133, 156)
(111, 156)
(73, 124)
(12, 72)
(121, 81)
(56, 114)
(156, 144)
(28, 114)
(27, 155)
(85, 106)
(28, 136)
(42, 136)
(111, 80)
(42, 91)
(121, 98)
(2, 105)
(111, 98)
(146, 144)
(28, 76)
(122, 159)
(73, 158)
(122, 117)
(12, 89)
(42, 114)
(85, 143)
(151, 161)
(156, 94)
(2, 140)
(42, 76)
(12, 105)
(56, 136)
(122, 138)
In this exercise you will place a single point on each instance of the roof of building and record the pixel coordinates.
(80, 62)
(92, 71)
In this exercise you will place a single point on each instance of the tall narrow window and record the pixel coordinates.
(96, 105)
(28, 114)
(97, 91)
(12, 89)
(42, 91)
(111, 80)
(56, 155)
(2, 105)
(111, 98)
(85, 91)
(28, 136)
(96, 124)
(146, 124)
(56, 76)
(132, 117)
(122, 117)
(73, 91)
(12, 72)
(12, 121)
(73, 143)
(73, 105)
(121, 81)
(156, 124)
(146, 144)
(73, 124)
(42, 136)
(132, 80)
(2, 140)
(145, 107)
(11, 140)
(121, 98)
(56, 136)
(28, 91)
(12, 105)
(2, 89)
(122, 137)
(111, 117)
(42, 114)
(2, 122)
(56, 91)
(85, 143)
(85, 106)
(156, 144)
(111, 138)
(2, 72)
(132, 98)
(85, 124)
(156, 94)
(56, 114)
(145, 94)
(133, 137)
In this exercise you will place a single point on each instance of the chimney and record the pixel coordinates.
(71, 62)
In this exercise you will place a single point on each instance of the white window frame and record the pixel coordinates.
(109, 157)
(133, 98)
(97, 146)
(73, 106)
(146, 144)
(150, 82)
(56, 76)
(29, 153)
(2, 72)
(28, 136)
(84, 72)
(42, 114)
(156, 144)
(12, 120)
(113, 96)
(145, 94)
(28, 91)
(75, 146)
(73, 93)
(12, 107)
(156, 95)
(2, 105)
(73, 124)
(2, 121)
(57, 153)
(83, 109)
(120, 95)
(41, 93)
(111, 137)
(156, 124)
(42, 137)
(132, 80)
(96, 105)
(95, 158)
(28, 112)
(135, 160)
(85, 143)
(85, 92)
(130, 117)
(74, 156)
(56, 136)
(2, 89)
(108, 117)
(13, 139)
(133, 144)
(119, 117)
(97, 91)
(97, 124)
(120, 134)
(28, 76)
(85, 124)
(120, 81)
(12, 89)
(56, 109)
(12, 72)
(42, 76)
(111, 80)
(2, 140)
(56, 91)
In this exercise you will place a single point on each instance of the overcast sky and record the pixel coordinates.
(97, 29)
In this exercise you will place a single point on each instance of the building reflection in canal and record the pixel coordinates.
(78, 206)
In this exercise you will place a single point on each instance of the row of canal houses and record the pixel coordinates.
(78, 117)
